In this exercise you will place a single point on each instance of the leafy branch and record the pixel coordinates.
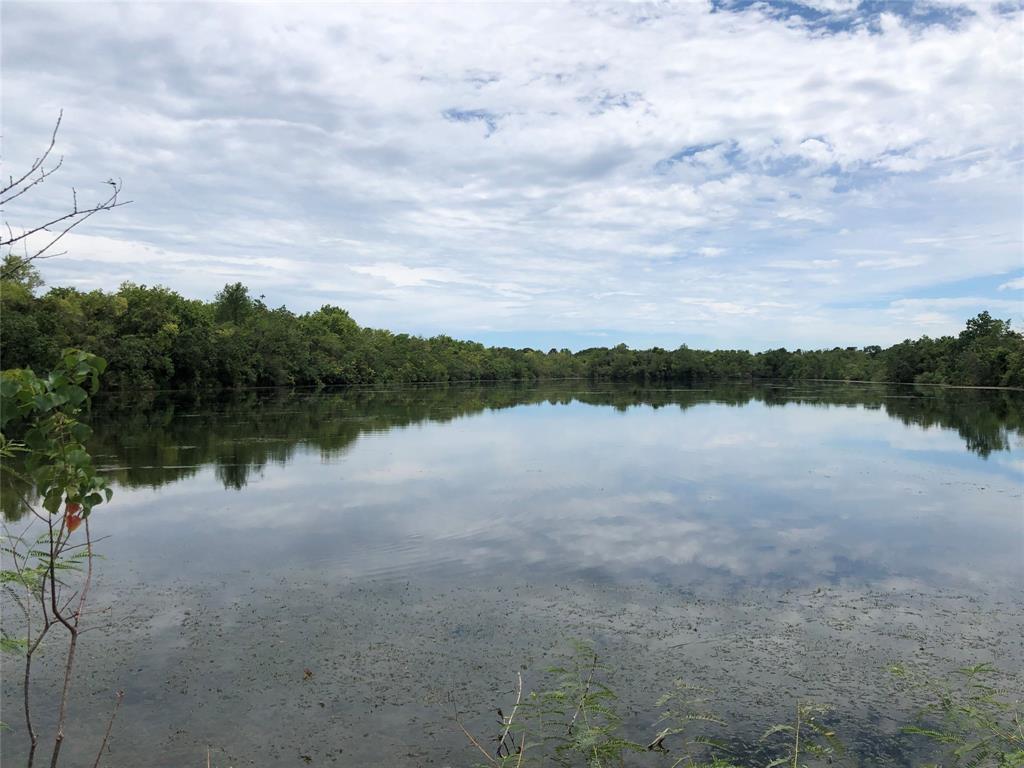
(42, 443)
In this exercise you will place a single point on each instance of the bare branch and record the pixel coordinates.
(458, 721)
(110, 725)
(13, 183)
(72, 646)
(43, 175)
(56, 228)
(511, 717)
(82, 214)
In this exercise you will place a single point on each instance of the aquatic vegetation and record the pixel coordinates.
(573, 721)
(972, 713)
(805, 739)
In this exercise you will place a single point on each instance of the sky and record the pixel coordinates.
(732, 174)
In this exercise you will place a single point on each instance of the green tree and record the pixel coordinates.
(233, 304)
(20, 271)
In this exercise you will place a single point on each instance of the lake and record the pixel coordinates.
(296, 577)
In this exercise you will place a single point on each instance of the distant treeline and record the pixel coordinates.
(155, 338)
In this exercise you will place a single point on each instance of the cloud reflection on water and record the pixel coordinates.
(722, 489)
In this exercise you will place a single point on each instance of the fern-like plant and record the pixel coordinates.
(583, 723)
(976, 719)
(683, 713)
(805, 741)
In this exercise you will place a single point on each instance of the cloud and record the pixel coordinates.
(804, 264)
(893, 262)
(1017, 284)
(710, 251)
(403, 276)
(501, 166)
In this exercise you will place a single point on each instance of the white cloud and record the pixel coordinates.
(710, 251)
(403, 276)
(894, 262)
(804, 264)
(952, 303)
(1017, 284)
(499, 165)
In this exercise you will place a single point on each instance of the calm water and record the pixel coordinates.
(413, 546)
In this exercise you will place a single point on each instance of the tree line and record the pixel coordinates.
(154, 338)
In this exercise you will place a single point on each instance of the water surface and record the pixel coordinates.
(414, 546)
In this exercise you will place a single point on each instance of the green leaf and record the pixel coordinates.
(42, 475)
(36, 439)
(79, 458)
(42, 403)
(16, 645)
(81, 432)
(72, 393)
(780, 728)
(51, 502)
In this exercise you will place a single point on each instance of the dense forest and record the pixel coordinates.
(155, 338)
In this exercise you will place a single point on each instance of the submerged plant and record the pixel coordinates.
(580, 709)
(976, 722)
(805, 739)
(683, 711)
(573, 721)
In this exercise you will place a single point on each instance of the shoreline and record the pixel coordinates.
(657, 384)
